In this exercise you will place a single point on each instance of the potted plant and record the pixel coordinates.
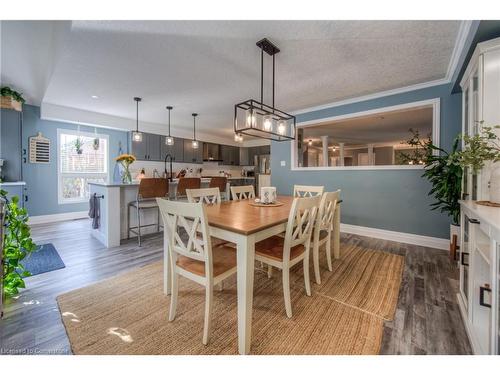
(11, 99)
(17, 245)
(444, 172)
(481, 149)
(95, 144)
(78, 145)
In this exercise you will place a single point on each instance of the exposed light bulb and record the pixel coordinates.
(195, 144)
(238, 138)
(251, 118)
(137, 136)
(281, 127)
(169, 141)
(310, 142)
(268, 123)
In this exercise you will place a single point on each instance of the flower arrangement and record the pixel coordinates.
(125, 160)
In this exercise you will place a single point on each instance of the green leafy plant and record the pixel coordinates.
(7, 91)
(480, 148)
(79, 145)
(418, 149)
(444, 172)
(17, 245)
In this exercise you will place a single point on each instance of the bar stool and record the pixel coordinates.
(221, 183)
(187, 183)
(149, 190)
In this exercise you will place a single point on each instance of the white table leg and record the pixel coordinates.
(336, 233)
(245, 274)
(167, 280)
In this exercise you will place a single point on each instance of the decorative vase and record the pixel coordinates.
(495, 183)
(126, 176)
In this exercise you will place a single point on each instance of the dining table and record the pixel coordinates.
(243, 223)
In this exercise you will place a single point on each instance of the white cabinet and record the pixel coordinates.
(481, 98)
(479, 296)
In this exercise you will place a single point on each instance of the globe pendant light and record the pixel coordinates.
(257, 119)
(169, 140)
(194, 142)
(137, 135)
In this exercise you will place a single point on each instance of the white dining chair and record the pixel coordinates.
(194, 257)
(302, 191)
(323, 229)
(206, 195)
(242, 192)
(285, 252)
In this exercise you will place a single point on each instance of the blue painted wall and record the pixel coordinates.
(41, 179)
(386, 199)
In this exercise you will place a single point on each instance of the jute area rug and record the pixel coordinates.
(128, 314)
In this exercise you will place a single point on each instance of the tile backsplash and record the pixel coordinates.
(208, 168)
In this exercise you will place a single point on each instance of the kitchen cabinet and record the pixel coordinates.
(211, 151)
(177, 150)
(479, 296)
(230, 155)
(149, 148)
(10, 144)
(192, 155)
(265, 150)
(243, 155)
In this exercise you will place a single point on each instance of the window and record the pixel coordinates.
(82, 158)
(376, 139)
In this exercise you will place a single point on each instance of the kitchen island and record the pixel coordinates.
(114, 200)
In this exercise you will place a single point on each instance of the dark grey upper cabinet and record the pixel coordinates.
(193, 155)
(211, 151)
(252, 151)
(243, 159)
(236, 155)
(149, 148)
(10, 144)
(154, 148)
(177, 150)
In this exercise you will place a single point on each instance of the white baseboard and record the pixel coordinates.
(409, 238)
(43, 219)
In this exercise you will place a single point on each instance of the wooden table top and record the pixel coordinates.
(243, 218)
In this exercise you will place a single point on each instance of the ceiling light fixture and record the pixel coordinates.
(238, 138)
(137, 135)
(250, 113)
(194, 142)
(169, 140)
(310, 142)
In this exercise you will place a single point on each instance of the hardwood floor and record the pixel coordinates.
(427, 318)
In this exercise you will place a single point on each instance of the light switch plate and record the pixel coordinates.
(283, 163)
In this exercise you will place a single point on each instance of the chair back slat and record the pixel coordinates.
(242, 192)
(218, 182)
(300, 222)
(207, 196)
(304, 191)
(152, 188)
(326, 210)
(179, 217)
(187, 183)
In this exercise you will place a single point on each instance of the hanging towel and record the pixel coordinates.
(94, 210)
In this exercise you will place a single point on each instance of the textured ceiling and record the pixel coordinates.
(208, 66)
(388, 127)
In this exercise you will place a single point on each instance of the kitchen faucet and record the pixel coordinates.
(168, 156)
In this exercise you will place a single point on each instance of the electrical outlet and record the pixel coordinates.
(283, 163)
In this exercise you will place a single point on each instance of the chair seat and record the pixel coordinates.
(272, 248)
(150, 203)
(224, 259)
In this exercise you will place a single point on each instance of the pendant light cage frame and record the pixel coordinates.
(257, 119)
(137, 135)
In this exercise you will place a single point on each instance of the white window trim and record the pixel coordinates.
(436, 121)
(60, 199)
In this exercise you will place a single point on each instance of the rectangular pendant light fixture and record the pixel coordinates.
(257, 119)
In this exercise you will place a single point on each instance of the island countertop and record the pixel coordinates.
(174, 181)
